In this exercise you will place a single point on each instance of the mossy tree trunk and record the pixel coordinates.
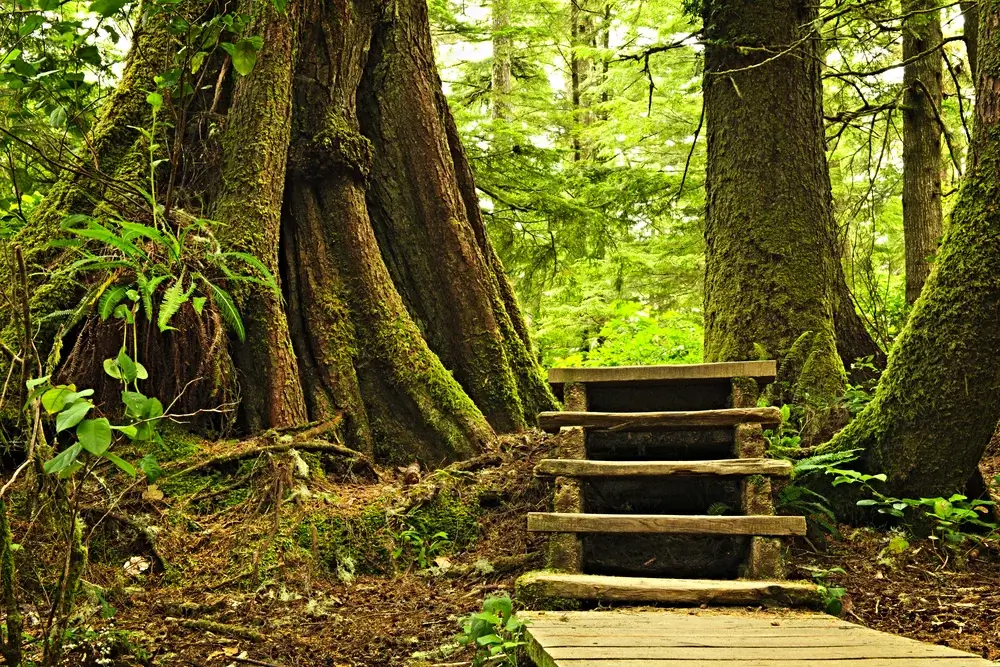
(938, 402)
(970, 15)
(771, 246)
(922, 217)
(341, 170)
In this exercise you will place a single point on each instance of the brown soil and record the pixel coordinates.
(241, 589)
(927, 592)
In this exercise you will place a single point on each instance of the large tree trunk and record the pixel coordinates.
(771, 259)
(258, 130)
(342, 172)
(938, 401)
(922, 96)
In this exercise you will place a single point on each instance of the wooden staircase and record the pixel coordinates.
(662, 491)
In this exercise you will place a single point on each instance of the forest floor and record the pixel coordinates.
(352, 570)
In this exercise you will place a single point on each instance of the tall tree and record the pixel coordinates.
(340, 171)
(771, 246)
(503, 52)
(938, 402)
(922, 216)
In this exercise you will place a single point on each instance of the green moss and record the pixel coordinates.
(176, 444)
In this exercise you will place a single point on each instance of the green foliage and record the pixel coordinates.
(495, 632)
(417, 544)
(93, 437)
(832, 595)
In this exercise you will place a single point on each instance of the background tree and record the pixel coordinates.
(922, 217)
(937, 404)
(771, 245)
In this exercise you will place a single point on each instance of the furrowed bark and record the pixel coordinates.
(938, 401)
(258, 130)
(771, 260)
(922, 218)
(422, 221)
(346, 301)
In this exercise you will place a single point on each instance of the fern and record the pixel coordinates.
(147, 288)
(173, 299)
(227, 309)
(110, 300)
(718, 509)
(169, 243)
(269, 279)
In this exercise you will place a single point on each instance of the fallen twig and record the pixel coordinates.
(225, 629)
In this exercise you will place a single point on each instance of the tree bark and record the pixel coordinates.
(258, 130)
(342, 172)
(970, 14)
(503, 50)
(428, 233)
(771, 259)
(938, 401)
(922, 217)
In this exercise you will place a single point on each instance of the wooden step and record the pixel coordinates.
(649, 421)
(723, 467)
(669, 374)
(552, 522)
(554, 585)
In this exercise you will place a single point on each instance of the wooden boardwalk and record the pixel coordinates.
(722, 638)
(662, 495)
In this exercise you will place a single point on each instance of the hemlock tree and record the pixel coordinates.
(922, 217)
(332, 158)
(774, 285)
(938, 402)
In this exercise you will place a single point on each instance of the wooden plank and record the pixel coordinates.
(727, 467)
(712, 638)
(552, 522)
(549, 585)
(760, 638)
(669, 618)
(647, 421)
(673, 373)
(734, 653)
(818, 661)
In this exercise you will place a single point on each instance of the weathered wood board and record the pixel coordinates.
(670, 638)
(680, 373)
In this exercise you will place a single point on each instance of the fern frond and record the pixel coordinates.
(173, 299)
(169, 244)
(227, 310)
(269, 279)
(110, 300)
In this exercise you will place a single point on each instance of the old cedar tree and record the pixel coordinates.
(340, 168)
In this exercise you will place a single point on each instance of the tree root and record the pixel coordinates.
(304, 440)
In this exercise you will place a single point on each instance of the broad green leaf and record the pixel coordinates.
(122, 464)
(112, 369)
(94, 435)
(154, 100)
(150, 467)
(107, 7)
(129, 431)
(244, 54)
(135, 404)
(57, 398)
(73, 415)
(57, 118)
(63, 460)
(127, 366)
